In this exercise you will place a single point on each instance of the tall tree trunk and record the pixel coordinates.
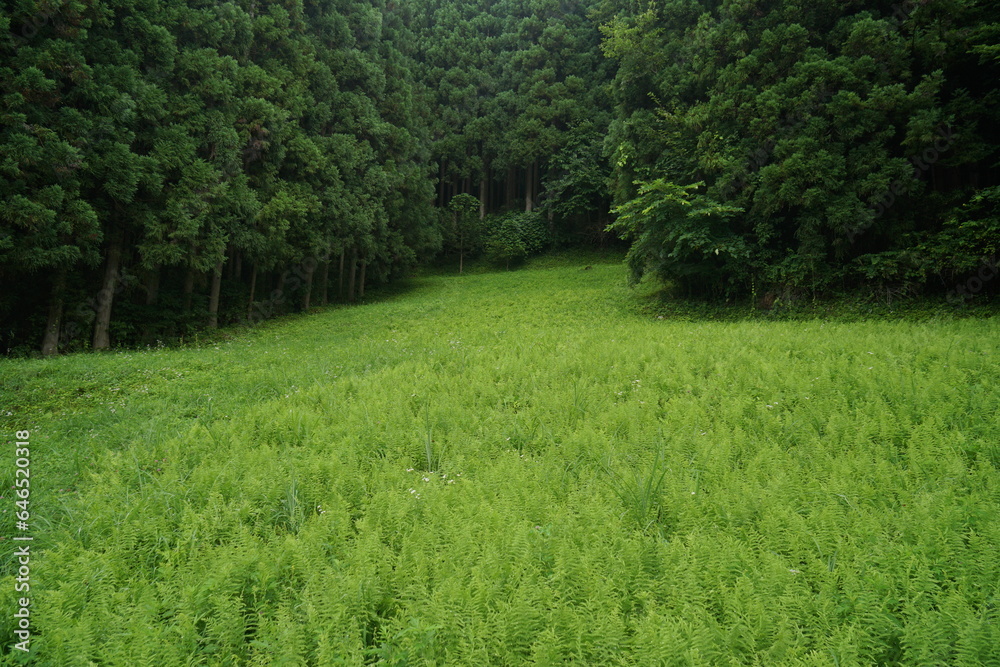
(529, 186)
(441, 201)
(105, 298)
(340, 282)
(213, 298)
(482, 197)
(153, 286)
(350, 284)
(310, 270)
(509, 193)
(152, 295)
(53, 327)
(527, 189)
(361, 282)
(279, 288)
(253, 291)
(324, 279)
(188, 289)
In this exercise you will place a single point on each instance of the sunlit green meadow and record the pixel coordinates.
(516, 468)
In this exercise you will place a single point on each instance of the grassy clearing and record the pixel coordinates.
(515, 468)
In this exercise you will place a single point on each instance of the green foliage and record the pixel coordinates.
(508, 85)
(825, 491)
(576, 185)
(181, 159)
(847, 135)
(512, 237)
(641, 493)
(466, 225)
(970, 236)
(203, 144)
(680, 234)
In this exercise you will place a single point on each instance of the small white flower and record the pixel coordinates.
(794, 571)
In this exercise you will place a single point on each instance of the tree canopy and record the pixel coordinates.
(170, 166)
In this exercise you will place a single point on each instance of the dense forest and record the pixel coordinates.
(168, 166)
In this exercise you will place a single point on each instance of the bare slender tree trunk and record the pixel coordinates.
(324, 279)
(340, 282)
(279, 287)
(529, 186)
(53, 327)
(441, 201)
(354, 267)
(527, 189)
(188, 289)
(152, 294)
(105, 298)
(213, 298)
(153, 286)
(253, 290)
(482, 198)
(307, 295)
(361, 282)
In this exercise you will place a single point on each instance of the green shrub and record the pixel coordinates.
(512, 237)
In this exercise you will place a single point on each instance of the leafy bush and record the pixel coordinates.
(512, 237)
(679, 234)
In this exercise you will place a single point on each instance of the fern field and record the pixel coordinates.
(515, 468)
